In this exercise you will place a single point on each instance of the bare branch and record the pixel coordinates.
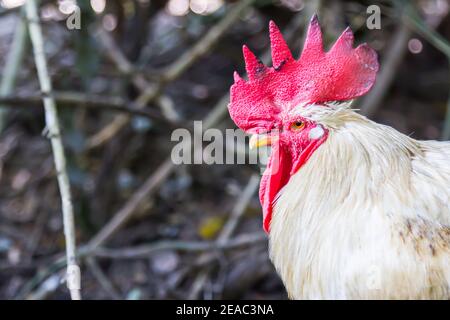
(239, 209)
(122, 216)
(102, 279)
(150, 91)
(191, 246)
(78, 99)
(165, 169)
(51, 118)
(13, 64)
(227, 231)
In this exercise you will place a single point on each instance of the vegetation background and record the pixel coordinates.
(134, 71)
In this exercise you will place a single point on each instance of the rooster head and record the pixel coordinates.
(269, 105)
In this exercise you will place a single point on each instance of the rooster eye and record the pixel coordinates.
(297, 125)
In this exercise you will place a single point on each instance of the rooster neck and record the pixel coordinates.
(357, 159)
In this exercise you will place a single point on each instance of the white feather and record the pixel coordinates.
(367, 216)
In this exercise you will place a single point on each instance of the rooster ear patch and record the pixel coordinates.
(316, 132)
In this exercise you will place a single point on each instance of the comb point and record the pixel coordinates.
(314, 20)
(313, 40)
(252, 64)
(279, 48)
(344, 42)
(236, 77)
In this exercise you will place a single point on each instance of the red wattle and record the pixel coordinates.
(274, 178)
(279, 170)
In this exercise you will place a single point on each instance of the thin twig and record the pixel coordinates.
(78, 99)
(40, 277)
(122, 216)
(120, 60)
(150, 91)
(191, 246)
(227, 231)
(206, 43)
(46, 288)
(51, 117)
(139, 252)
(239, 209)
(102, 279)
(13, 64)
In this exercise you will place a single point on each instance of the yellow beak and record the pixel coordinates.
(261, 140)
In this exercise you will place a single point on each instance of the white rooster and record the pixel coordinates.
(354, 209)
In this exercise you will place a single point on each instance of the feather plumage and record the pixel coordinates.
(368, 216)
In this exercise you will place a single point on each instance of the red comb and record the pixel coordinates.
(342, 73)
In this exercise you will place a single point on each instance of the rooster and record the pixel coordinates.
(353, 209)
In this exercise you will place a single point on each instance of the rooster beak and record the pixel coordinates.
(261, 140)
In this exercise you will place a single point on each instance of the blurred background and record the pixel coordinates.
(125, 74)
